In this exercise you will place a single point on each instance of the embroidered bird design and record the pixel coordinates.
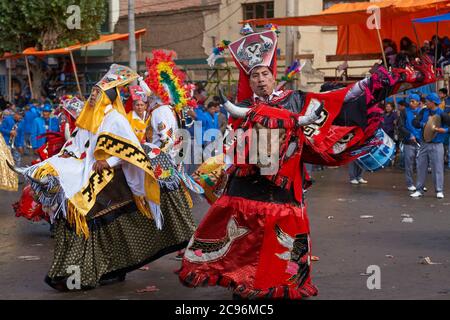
(297, 255)
(206, 251)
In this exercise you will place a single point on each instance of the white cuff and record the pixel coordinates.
(113, 161)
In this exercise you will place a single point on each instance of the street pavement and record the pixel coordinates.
(344, 238)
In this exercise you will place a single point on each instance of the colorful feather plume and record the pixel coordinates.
(292, 70)
(166, 81)
(272, 27)
(217, 52)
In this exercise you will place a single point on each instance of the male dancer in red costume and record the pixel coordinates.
(255, 239)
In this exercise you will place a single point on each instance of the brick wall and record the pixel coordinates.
(181, 31)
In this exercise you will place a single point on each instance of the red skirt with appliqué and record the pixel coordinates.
(259, 249)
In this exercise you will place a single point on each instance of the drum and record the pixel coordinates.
(381, 150)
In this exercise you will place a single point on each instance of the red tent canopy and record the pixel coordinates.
(354, 37)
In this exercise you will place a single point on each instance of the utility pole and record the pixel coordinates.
(131, 35)
(290, 34)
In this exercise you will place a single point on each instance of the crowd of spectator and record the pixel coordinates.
(437, 49)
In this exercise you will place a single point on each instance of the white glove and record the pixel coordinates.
(313, 116)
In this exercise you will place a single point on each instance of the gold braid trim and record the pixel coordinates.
(112, 208)
(109, 144)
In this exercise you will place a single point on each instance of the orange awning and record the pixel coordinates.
(353, 35)
(355, 13)
(102, 39)
(8, 55)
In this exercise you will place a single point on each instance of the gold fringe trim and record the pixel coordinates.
(143, 206)
(83, 201)
(77, 219)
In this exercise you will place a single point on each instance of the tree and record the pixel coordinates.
(48, 24)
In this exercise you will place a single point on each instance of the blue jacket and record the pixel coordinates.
(29, 117)
(422, 119)
(195, 130)
(6, 127)
(447, 109)
(410, 116)
(210, 122)
(39, 128)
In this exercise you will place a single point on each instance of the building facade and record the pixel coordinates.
(193, 27)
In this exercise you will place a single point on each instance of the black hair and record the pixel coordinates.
(211, 104)
(112, 94)
(444, 91)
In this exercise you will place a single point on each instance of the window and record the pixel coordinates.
(329, 3)
(258, 10)
(104, 28)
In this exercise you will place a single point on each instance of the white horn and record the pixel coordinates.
(266, 40)
(235, 111)
(240, 50)
(21, 171)
(16, 169)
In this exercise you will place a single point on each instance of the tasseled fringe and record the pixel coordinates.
(157, 214)
(149, 209)
(171, 184)
(49, 195)
(143, 206)
(76, 218)
(193, 279)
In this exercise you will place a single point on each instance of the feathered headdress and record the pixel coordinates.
(167, 81)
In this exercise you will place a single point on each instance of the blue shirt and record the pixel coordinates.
(410, 115)
(6, 127)
(29, 117)
(440, 137)
(447, 101)
(195, 130)
(210, 122)
(40, 126)
(447, 109)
